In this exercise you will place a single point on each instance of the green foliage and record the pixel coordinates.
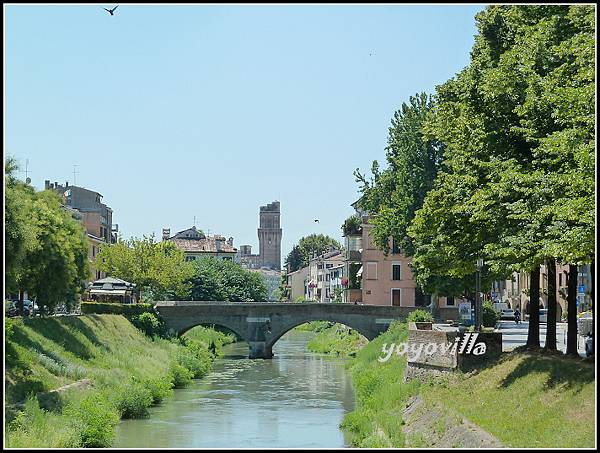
(150, 324)
(224, 280)
(133, 400)
(352, 225)
(180, 376)
(115, 308)
(157, 267)
(129, 372)
(337, 340)
(95, 419)
(419, 316)
(46, 248)
(393, 195)
(381, 393)
(489, 315)
(314, 244)
(159, 389)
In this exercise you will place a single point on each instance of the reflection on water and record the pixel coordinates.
(297, 399)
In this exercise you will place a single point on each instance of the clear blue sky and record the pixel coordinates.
(172, 112)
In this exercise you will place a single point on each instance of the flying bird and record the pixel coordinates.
(316, 220)
(111, 11)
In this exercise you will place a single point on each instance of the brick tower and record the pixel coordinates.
(269, 236)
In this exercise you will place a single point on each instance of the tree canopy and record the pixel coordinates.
(159, 268)
(307, 247)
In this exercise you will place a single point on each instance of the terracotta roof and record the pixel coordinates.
(208, 244)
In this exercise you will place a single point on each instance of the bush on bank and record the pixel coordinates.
(129, 372)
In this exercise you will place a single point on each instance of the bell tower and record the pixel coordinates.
(269, 236)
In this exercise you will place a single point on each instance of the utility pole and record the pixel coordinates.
(74, 173)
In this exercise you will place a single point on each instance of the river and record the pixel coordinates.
(297, 399)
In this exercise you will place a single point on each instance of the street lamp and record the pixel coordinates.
(478, 308)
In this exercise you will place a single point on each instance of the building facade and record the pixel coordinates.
(195, 244)
(96, 217)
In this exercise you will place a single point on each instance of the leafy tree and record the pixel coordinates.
(224, 280)
(55, 269)
(19, 230)
(309, 246)
(516, 186)
(396, 193)
(158, 267)
(352, 225)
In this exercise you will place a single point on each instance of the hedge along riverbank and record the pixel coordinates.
(334, 339)
(129, 372)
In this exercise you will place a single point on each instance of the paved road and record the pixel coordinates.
(514, 335)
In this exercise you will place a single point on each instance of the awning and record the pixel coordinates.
(359, 272)
(110, 292)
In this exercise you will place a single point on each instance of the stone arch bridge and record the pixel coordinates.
(261, 324)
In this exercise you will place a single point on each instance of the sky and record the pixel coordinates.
(176, 112)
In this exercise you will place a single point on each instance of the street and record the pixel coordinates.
(514, 335)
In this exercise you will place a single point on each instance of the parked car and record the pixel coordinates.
(543, 315)
(507, 313)
(10, 308)
(30, 308)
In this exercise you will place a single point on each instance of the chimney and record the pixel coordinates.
(219, 243)
(47, 184)
(230, 242)
(66, 184)
(166, 234)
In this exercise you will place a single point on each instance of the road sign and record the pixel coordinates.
(581, 289)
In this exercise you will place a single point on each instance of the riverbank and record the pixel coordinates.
(333, 339)
(70, 379)
(523, 400)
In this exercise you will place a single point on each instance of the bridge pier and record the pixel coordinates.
(260, 350)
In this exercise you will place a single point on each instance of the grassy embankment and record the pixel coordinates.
(524, 399)
(114, 371)
(334, 339)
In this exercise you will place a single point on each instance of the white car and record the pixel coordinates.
(544, 315)
(507, 313)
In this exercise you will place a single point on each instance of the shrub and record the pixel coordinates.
(159, 388)
(352, 225)
(195, 358)
(133, 400)
(180, 376)
(96, 419)
(420, 316)
(489, 316)
(150, 324)
(101, 308)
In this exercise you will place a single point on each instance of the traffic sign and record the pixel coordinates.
(581, 289)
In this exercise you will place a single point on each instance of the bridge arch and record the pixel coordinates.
(283, 329)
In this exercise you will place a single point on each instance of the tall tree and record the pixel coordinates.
(309, 246)
(158, 268)
(56, 268)
(393, 195)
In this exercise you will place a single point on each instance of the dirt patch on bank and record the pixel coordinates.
(427, 425)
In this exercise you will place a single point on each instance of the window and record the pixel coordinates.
(372, 271)
(395, 247)
(396, 271)
(396, 297)
(328, 266)
(450, 301)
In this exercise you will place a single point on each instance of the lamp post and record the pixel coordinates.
(478, 308)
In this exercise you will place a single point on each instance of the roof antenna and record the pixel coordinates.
(74, 173)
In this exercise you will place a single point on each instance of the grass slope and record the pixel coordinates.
(128, 372)
(524, 399)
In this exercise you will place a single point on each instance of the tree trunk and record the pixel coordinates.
(572, 310)
(20, 306)
(533, 333)
(551, 321)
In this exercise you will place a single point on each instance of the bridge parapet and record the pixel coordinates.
(261, 324)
